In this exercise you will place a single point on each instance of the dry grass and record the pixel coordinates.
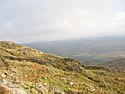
(66, 74)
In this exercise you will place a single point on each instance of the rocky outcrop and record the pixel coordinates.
(10, 88)
(68, 64)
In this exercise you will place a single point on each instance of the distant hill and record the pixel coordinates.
(90, 51)
(24, 70)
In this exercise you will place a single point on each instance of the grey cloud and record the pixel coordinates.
(29, 20)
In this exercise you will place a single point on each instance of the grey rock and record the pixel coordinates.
(12, 88)
(55, 90)
(41, 88)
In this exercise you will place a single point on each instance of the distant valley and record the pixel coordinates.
(89, 51)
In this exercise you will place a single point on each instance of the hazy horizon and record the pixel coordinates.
(28, 21)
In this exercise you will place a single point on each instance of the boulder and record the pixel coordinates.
(55, 90)
(41, 88)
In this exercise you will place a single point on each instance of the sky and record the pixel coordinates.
(45, 20)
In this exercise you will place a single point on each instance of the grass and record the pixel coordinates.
(93, 80)
(65, 74)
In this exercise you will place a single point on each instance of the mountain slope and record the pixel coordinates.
(34, 72)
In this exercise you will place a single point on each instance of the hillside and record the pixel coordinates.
(89, 51)
(28, 71)
(118, 64)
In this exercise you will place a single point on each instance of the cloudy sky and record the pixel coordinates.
(35, 20)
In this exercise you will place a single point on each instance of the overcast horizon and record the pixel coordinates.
(44, 20)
